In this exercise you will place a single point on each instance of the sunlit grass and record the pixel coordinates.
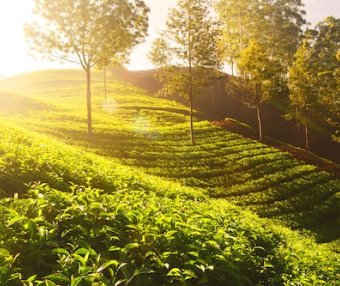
(139, 196)
(152, 135)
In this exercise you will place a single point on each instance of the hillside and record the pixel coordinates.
(152, 134)
(136, 229)
(215, 104)
(141, 194)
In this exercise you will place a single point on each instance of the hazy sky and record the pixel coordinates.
(14, 54)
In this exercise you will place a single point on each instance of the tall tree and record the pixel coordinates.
(303, 98)
(261, 73)
(281, 28)
(111, 62)
(235, 19)
(325, 67)
(187, 52)
(275, 24)
(86, 32)
(336, 105)
(260, 38)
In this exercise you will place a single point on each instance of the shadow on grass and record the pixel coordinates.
(14, 104)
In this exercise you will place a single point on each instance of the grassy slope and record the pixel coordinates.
(27, 158)
(137, 228)
(173, 233)
(151, 134)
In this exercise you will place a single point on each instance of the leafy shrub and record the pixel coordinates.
(85, 237)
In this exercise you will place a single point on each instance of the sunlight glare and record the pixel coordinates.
(142, 125)
(15, 55)
(110, 105)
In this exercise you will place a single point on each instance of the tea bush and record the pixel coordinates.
(137, 204)
(87, 237)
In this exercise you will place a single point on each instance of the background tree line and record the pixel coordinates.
(272, 52)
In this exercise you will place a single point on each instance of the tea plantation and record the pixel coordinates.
(137, 204)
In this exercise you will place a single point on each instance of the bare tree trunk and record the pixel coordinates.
(240, 28)
(306, 137)
(190, 80)
(89, 107)
(259, 121)
(191, 107)
(105, 89)
(191, 122)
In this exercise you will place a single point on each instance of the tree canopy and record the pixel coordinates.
(259, 80)
(275, 24)
(325, 65)
(314, 78)
(302, 93)
(87, 32)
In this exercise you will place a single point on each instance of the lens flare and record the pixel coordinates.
(110, 105)
(142, 125)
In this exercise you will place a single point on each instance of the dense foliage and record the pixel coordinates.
(132, 238)
(261, 74)
(137, 234)
(314, 77)
(123, 216)
(246, 20)
(135, 202)
(302, 96)
(307, 82)
(149, 133)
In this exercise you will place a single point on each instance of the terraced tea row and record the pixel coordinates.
(135, 230)
(152, 134)
(27, 158)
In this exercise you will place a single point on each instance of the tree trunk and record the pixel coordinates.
(105, 89)
(306, 137)
(190, 80)
(89, 107)
(191, 107)
(232, 67)
(191, 123)
(240, 28)
(259, 121)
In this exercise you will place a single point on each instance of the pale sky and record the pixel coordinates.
(14, 54)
